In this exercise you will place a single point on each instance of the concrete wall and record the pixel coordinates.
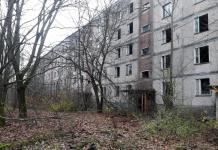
(145, 41)
(185, 41)
(126, 38)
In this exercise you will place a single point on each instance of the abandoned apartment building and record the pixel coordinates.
(142, 58)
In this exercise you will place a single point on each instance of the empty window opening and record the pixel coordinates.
(118, 52)
(201, 24)
(119, 34)
(145, 74)
(130, 49)
(128, 69)
(131, 28)
(131, 8)
(166, 61)
(145, 51)
(117, 71)
(166, 35)
(201, 55)
(203, 86)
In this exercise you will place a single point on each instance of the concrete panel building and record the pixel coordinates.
(195, 54)
(130, 65)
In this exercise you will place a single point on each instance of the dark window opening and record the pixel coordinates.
(145, 51)
(166, 61)
(118, 53)
(145, 74)
(205, 90)
(168, 35)
(131, 7)
(204, 54)
(117, 71)
(130, 49)
(119, 34)
(131, 27)
(203, 23)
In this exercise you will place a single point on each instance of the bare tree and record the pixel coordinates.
(95, 45)
(28, 37)
(5, 61)
(169, 95)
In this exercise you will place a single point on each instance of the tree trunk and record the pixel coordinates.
(22, 101)
(2, 106)
(97, 98)
(2, 113)
(100, 106)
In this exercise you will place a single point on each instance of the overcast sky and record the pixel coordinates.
(67, 22)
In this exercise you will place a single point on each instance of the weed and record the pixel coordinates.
(170, 123)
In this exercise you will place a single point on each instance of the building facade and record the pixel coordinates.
(151, 31)
(131, 64)
(195, 65)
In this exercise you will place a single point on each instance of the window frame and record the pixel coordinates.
(142, 51)
(131, 8)
(118, 52)
(148, 71)
(197, 27)
(117, 73)
(167, 14)
(129, 50)
(148, 28)
(131, 28)
(164, 64)
(129, 70)
(197, 55)
(164, 35)
(198, 88)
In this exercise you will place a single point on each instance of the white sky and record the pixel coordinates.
(67, 22)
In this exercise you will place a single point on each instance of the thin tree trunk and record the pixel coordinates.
(2, 105)
(2, 112)
(171, 90)
(22, 101)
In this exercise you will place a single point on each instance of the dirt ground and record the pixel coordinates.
(89, 130)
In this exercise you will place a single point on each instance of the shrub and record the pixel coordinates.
(62, 106)
(171, 123)
(213, 124)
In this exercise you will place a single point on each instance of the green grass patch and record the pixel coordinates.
(171, 123)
